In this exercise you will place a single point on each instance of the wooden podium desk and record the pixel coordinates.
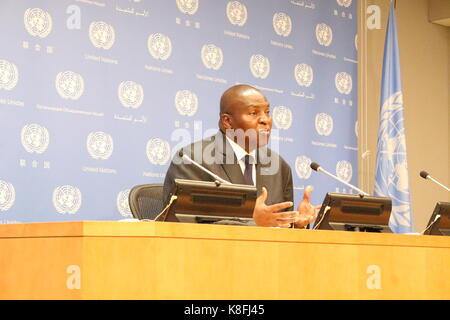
(162, 260)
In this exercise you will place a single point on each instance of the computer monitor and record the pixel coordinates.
(350, 212)
(439, 223)
(213, 202)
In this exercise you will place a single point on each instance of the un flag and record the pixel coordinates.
(392, 167)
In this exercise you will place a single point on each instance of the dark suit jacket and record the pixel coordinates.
(216, 154)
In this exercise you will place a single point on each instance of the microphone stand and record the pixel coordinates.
(218, 181)
(438, 183)
(316, 167)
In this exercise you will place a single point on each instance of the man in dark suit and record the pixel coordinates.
(238, 154)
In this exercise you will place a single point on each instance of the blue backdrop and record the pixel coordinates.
(96, 95)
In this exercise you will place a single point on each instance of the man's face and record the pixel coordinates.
(250, 112)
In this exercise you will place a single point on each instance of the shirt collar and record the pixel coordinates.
(240, 152)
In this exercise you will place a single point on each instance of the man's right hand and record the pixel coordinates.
(269, 216)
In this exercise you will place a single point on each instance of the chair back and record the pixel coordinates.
(146, 201)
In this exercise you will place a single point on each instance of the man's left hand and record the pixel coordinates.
(308, 212)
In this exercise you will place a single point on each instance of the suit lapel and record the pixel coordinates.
(234, 173)
(229, 162)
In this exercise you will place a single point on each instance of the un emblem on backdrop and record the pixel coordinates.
(37, 22)
(66, 199)
(282, 117)
(7, 195)
(302, 167)
(101, 34)
(259, 66)
(122, 203)
(187, 6)
(35, 138)
(344, 170)
(186, 102)
(69, 85)
(282, 24)
(324, 124)
(344, 83)
(131, 94)
(159, 46)
(158, 151)
(304, 75)
(324, 34)
(9, 75)
(212, 56)
(344, 3)
(237, 13)
(99, 145)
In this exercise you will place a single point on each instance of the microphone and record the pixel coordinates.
(215, 176)
(426, 175)
(317, 167)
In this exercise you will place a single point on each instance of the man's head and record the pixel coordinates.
(244, 110)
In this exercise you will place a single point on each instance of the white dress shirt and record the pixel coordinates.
(240, 156)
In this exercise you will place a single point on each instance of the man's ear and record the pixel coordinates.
(226, 121)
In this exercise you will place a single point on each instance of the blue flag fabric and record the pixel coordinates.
(391, 178)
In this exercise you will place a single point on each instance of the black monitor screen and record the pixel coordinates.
(439, 224)
(211, 202)
(349, 212)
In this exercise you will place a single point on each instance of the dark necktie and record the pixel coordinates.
(248, 176)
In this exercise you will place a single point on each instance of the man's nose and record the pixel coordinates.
(265, 118)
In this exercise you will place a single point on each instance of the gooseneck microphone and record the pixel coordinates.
(317, 167)
(215, 176)
(426, 176)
